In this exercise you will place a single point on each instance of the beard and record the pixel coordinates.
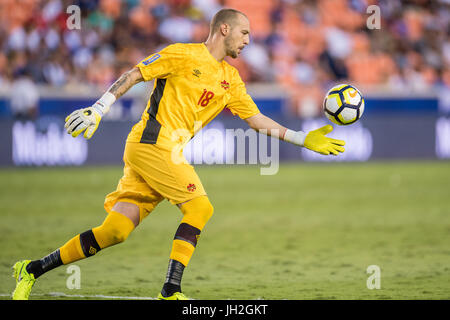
(233, 54)
(228, 49)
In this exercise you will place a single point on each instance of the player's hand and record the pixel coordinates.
(317, 141)
(80, 120)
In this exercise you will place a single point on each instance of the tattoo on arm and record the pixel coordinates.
(125, 82)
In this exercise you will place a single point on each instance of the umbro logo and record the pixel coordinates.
(196, 73)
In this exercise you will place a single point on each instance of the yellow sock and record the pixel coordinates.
(71, 251)
(196, 213)
(181, 251)
(115, 229)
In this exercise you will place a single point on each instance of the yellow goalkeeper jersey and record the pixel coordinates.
(191, 88)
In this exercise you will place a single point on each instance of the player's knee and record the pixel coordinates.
(197, 212)
(205, 209)
(115, 229)
(208, 211)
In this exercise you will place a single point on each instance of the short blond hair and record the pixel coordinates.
(227, 16)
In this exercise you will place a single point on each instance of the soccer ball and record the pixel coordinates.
(343, 104)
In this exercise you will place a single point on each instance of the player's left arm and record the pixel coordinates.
(315, 140)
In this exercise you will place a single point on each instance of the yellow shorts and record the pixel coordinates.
(150, 175)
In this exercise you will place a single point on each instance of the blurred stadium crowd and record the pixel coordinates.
(303, 45)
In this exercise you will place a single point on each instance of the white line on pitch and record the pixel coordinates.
(98, 296)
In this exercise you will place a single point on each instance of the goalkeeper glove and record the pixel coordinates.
(88, 119)
(83, 119)
(316, 140)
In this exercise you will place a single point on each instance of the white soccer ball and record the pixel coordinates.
(343, 104)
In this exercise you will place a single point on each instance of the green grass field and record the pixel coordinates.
(308, 232)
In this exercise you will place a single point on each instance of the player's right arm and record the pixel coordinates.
(125, 82)
(159, 65)
(88, 119)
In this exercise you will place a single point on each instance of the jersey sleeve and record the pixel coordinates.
(241, 103)
(162, 64)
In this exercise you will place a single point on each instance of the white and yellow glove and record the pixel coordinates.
(316, 140)
(83, 119)
(88, 119)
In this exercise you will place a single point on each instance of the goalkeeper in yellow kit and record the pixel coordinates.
(193, 84)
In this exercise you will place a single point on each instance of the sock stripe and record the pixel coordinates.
(89, 243)
(184, 239)
(188, 233)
